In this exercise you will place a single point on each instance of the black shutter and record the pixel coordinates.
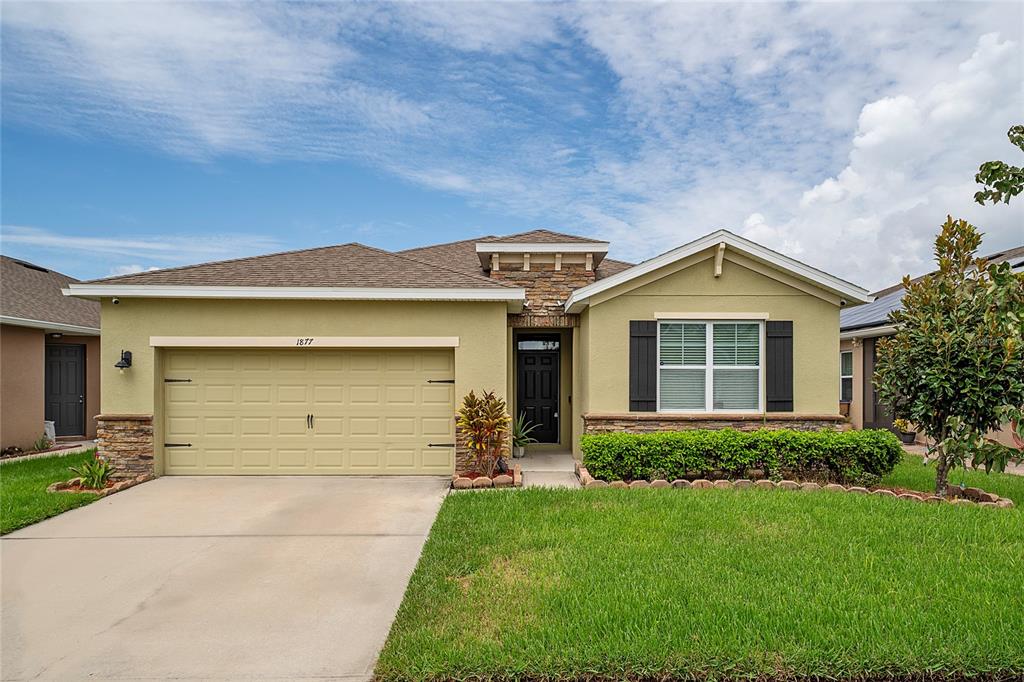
(643, 366)
(779, 366)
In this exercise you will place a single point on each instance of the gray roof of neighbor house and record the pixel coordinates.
(462, 255)
(33, 293)
(876, 314)
(346, 265)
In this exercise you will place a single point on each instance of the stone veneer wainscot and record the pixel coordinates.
(650, 422)
(125, 441)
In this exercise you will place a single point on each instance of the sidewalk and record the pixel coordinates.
(548, 470)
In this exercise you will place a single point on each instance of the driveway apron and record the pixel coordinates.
(215, 578)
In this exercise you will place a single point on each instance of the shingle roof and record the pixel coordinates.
(542, 237)
(890, 299)
(346, 265)
(462, 256)
(32, 292)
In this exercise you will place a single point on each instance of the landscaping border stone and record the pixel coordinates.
(955, 495)
(116, 487)
(513, 480)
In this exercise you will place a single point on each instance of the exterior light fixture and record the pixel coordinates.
(125, 362)
(56, 335)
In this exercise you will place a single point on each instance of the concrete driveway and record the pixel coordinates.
(215, 578)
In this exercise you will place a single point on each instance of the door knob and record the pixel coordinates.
(81, 399)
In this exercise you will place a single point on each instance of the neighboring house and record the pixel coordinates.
(351, 360)
(49, 356)
(860, 329)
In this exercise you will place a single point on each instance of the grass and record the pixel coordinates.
(912, 474)
(23, 496)
(658, 584)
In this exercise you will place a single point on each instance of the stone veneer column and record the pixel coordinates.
(126, 442)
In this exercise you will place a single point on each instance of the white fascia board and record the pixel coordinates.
(867, 332)
(315, 293)
(542, 247)
(50, 326)
(850, 292)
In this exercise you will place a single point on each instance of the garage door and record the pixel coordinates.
(309, 412)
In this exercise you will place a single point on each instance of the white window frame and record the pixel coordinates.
(709, 365)
(845, 376)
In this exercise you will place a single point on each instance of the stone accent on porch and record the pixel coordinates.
(546, 288)
(125, 441)
(649, 422)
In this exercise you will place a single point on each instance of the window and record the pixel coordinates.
(846, 376)
(727, 379)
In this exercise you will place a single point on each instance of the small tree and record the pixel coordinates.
(485, 423)
(1001, 180)
(955, 366)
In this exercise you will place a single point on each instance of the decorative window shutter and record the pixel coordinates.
(643, 365)
(778, 366)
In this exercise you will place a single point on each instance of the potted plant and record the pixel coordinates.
(907, 433)
(521, 437)
(484, 422)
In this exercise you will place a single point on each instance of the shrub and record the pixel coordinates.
(857, 457)
(485, 423)
(94, 473)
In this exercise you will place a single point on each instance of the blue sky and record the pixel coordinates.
(153, 135)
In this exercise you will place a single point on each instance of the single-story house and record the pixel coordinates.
(859, 330)
(49, 356)
(352, 360)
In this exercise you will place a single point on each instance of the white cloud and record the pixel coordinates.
(159, 250)
(841, 133)
(130, 269)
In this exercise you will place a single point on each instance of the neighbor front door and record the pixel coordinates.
(538, 387)
(65, 388)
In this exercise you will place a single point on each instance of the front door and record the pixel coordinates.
(537, 380)
(65, 388)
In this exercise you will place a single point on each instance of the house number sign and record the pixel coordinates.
(304, 341)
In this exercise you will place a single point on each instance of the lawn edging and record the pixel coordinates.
(69, 486)
(955, 494)
(512, 480)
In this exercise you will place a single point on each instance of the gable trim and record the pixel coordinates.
(542, 247)
(845, 290)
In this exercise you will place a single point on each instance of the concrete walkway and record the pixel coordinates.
(549, 470)
(215, 578)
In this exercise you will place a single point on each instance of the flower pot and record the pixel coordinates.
(908, 437)
(518, 451)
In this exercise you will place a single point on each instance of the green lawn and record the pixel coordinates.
(23, 496)
(710, 584)
(911, 474)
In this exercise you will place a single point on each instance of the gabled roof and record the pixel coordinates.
(542, 237)
(31, 297)
(351, 271)
(462, 255)
(852, 293)
(876, 314)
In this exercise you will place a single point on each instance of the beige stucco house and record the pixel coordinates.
(351, 360)
(49, 356)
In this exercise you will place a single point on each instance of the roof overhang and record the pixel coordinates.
(484, 249)
(847, 292)
(48, 326)
(513, 296)
(867, 332)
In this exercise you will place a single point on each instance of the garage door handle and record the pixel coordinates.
(177, 445)
(440, 445)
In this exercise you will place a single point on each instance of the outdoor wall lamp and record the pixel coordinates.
(125, 362)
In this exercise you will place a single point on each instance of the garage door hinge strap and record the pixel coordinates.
(440, 445)
(177, 381)
(440, 381)
(177, 445)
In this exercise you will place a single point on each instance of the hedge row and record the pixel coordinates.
(850, 457)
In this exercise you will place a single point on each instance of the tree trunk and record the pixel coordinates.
(941, 474)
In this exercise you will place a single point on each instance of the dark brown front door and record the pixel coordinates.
(537, 380)
(65, 388)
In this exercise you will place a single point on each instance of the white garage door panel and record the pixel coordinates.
(245, 411)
